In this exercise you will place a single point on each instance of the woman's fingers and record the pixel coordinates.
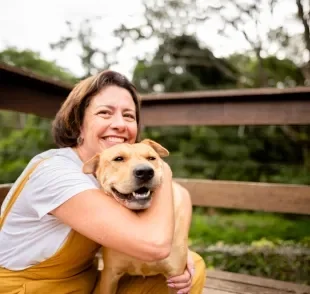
(181, 283)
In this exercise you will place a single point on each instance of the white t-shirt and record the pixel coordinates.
(29, 234)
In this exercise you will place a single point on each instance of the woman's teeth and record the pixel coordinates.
(114, 139)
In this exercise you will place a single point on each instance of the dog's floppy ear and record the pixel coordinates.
(90, 166)
(162, 152)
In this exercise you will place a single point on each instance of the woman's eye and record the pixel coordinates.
(131, 116)
(118, 158)
(151, 158)
(104, 112)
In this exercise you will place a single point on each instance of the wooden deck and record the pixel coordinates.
(219, 282)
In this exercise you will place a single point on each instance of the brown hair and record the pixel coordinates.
(68, 121)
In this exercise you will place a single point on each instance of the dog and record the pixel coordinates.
(131, 173)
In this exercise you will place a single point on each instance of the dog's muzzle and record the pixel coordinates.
(141, 197)
(143, 173)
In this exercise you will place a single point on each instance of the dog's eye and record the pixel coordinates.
(151, 158)
(118, 158)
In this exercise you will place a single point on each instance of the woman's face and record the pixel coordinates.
(109, 119)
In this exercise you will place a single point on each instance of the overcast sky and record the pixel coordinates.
(34, 24)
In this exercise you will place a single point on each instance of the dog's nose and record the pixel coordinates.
(143, 172)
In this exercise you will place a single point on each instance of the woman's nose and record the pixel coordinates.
(118, 122)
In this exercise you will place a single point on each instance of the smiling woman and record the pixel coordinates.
(55, 217)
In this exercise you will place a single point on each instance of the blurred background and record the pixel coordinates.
(177, 46)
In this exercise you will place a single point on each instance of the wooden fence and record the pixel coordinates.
(23, 91)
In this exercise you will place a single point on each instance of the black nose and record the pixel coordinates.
(143, 172)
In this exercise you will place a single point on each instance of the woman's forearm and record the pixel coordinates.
(158, 219)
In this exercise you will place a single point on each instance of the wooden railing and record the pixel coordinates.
(26, 92)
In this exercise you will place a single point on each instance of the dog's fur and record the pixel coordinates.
(121, 170)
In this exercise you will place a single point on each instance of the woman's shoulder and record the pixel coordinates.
(60, 154)
(61, 158)
(63, 162)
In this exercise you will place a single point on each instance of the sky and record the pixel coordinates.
(34, 24)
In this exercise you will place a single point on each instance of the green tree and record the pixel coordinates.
(30, 60)
(180, 64)
(266, 153)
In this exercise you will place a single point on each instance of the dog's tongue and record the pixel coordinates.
(141, 193)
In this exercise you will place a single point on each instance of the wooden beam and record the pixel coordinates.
(219, 282)
(4, 190)
(248, 195)
(240, 195)
(226, 112)
(21, 90)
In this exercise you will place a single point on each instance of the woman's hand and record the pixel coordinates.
(182, 283)
(167, 171)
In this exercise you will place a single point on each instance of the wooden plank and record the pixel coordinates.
(4, 189)
(248, 195)
(241, 195)
(24, 91)
(21, 90)
(215, 291)
(223, 113)
(228, 93)
(241, 283)
(23, 99)
(240, 287)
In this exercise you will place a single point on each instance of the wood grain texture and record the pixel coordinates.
(249, 195)
(227, 112)
(24, 91)
(241, 195)
(238, 283)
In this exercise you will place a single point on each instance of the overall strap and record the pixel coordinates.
(17, 192)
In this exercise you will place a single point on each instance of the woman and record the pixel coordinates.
(55, 218)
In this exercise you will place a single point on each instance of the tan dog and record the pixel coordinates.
(130, 173)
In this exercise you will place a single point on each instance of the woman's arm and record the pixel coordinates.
(146, 235)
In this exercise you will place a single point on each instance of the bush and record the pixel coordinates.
(246, 227)
(265, 259)
(261, 244)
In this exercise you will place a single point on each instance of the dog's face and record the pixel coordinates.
(129, 172)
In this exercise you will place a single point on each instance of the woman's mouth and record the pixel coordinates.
(114, 139)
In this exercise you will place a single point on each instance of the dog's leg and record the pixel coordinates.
(109, 281)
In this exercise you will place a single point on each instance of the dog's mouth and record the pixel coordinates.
(141, 195)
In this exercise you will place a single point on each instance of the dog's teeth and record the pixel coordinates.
(144, 195)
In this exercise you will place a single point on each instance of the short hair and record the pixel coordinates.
(68, 120)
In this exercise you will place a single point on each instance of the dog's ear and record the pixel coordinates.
(162, 152)
(90, 166)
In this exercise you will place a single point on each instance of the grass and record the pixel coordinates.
(255, 243)
(247, 227)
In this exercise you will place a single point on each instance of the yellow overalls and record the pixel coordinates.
(71, 269)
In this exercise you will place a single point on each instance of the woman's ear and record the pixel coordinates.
(91, 165)
(162, 152)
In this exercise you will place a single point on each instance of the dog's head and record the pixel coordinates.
(129, 172)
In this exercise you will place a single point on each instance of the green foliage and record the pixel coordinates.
(181, 65)
(258, 154)
(254, 243)
(267, 261)
(282, 71)
(28, 59)
(20, 145)
(246, 228)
